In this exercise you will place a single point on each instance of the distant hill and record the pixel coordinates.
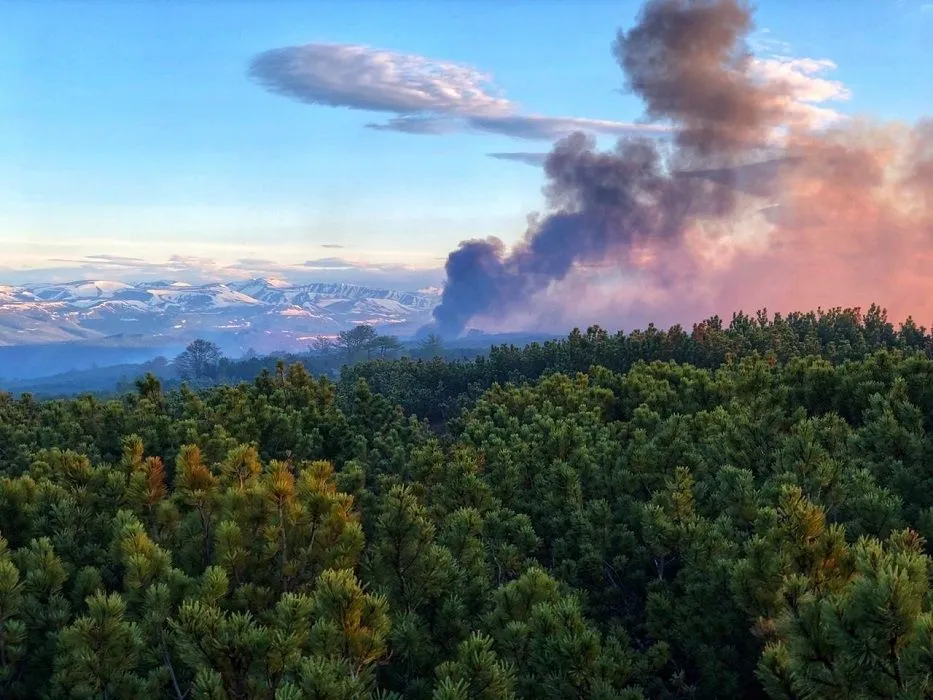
(264, 315)
(104, 369)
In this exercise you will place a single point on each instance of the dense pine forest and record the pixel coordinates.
(738, 510)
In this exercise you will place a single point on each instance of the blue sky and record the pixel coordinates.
(132, 129)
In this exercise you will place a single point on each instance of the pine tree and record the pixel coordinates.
(475, 674)
(99, 655)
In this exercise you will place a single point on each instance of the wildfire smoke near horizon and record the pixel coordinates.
(748, 204)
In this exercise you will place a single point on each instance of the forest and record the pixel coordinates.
(324, 357)
(741, 509)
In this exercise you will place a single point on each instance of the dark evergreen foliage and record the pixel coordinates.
(739, 511)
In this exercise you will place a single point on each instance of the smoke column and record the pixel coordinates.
(710, 220)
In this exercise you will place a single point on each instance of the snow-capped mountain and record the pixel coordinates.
(264, 314)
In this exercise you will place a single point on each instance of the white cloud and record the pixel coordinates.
(360, 77)
(423, 96)
(802, 79)
(802, 75)
(429, 97)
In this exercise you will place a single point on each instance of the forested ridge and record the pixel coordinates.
(738, 510)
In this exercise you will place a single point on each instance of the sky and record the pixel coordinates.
(351, 140)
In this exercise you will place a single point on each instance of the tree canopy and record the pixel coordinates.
(199, 360)
(742, 510)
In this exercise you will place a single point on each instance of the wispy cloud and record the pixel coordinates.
(332, 245)
(117, 260)
(526, 157)
(424, 96)
(329, 264)
(430, 97)
(551, 128)
(762, 41)
(202, 270)
(256, 262)
(517, 126)
(424, 125)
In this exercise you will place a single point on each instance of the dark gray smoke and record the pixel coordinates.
(687, 60)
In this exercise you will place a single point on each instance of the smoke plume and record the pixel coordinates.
(747, 205)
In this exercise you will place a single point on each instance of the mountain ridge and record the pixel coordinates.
(259, 313)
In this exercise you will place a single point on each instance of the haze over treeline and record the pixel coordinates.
(753, 200)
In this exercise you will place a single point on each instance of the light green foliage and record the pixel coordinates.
(476, 672)
(100, 653)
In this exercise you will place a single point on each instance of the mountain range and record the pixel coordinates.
(263, 314)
